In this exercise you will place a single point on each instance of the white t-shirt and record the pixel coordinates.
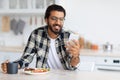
(53, 59)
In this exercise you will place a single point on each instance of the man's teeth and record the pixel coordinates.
(57, 27)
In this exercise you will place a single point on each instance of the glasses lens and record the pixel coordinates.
(55, 19)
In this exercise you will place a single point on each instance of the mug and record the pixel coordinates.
(12, 68)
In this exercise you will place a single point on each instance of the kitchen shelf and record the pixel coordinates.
(9, 7)
(22, 11)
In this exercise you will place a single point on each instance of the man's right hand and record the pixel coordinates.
(4, 66)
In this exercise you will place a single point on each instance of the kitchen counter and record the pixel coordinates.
(63, 75)
(83, 52)
(100, 53)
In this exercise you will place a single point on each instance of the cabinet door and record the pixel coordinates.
(87, 63)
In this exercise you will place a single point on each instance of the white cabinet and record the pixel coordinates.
(100, 62)
(24, 6)
(87, 63)
(108, 63)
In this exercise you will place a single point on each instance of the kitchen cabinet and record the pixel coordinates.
(28, 13)
(9, 7)
(101, 59)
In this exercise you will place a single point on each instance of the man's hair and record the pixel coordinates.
(54, 7)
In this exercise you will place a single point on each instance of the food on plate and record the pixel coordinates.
(36, 70)
(29, 69)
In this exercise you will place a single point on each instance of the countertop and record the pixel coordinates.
(63, 75)
(83, 52)
(88, 52)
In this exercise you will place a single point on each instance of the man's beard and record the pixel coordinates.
(55, 32)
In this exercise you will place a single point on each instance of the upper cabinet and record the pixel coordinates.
(18, 18)
(24, 6)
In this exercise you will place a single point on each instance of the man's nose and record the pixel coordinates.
(58, 21)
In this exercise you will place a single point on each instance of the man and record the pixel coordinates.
(48, 44)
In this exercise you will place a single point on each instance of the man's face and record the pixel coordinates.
(55, 22)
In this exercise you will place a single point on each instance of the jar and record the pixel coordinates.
(107, 47)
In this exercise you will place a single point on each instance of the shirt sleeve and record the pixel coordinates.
(28, 53)
(69, 57)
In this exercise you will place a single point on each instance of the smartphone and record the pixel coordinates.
(73, 36)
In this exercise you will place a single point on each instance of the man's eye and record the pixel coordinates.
(61, 19)
(55, 18)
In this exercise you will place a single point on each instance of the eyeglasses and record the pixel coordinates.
(56, 19)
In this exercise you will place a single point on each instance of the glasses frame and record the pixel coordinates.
(54, 18)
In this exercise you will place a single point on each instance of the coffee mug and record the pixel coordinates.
(12, 68)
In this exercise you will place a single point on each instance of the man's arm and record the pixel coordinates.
(28, 54)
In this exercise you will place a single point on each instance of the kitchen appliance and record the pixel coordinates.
(108, 63)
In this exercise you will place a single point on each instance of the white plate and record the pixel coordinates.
(33, 73)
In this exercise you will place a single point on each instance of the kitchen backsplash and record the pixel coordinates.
(15, 30)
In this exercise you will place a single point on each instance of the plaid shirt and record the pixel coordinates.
(39, 43)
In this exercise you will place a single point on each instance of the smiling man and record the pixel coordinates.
(48, 44)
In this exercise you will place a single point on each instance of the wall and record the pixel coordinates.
(96, 20)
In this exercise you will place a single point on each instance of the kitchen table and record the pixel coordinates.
(64, 75)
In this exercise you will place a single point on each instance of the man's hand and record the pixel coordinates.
(73, 47)
(4, 66)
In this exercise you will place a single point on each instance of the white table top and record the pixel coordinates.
(64, 75)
